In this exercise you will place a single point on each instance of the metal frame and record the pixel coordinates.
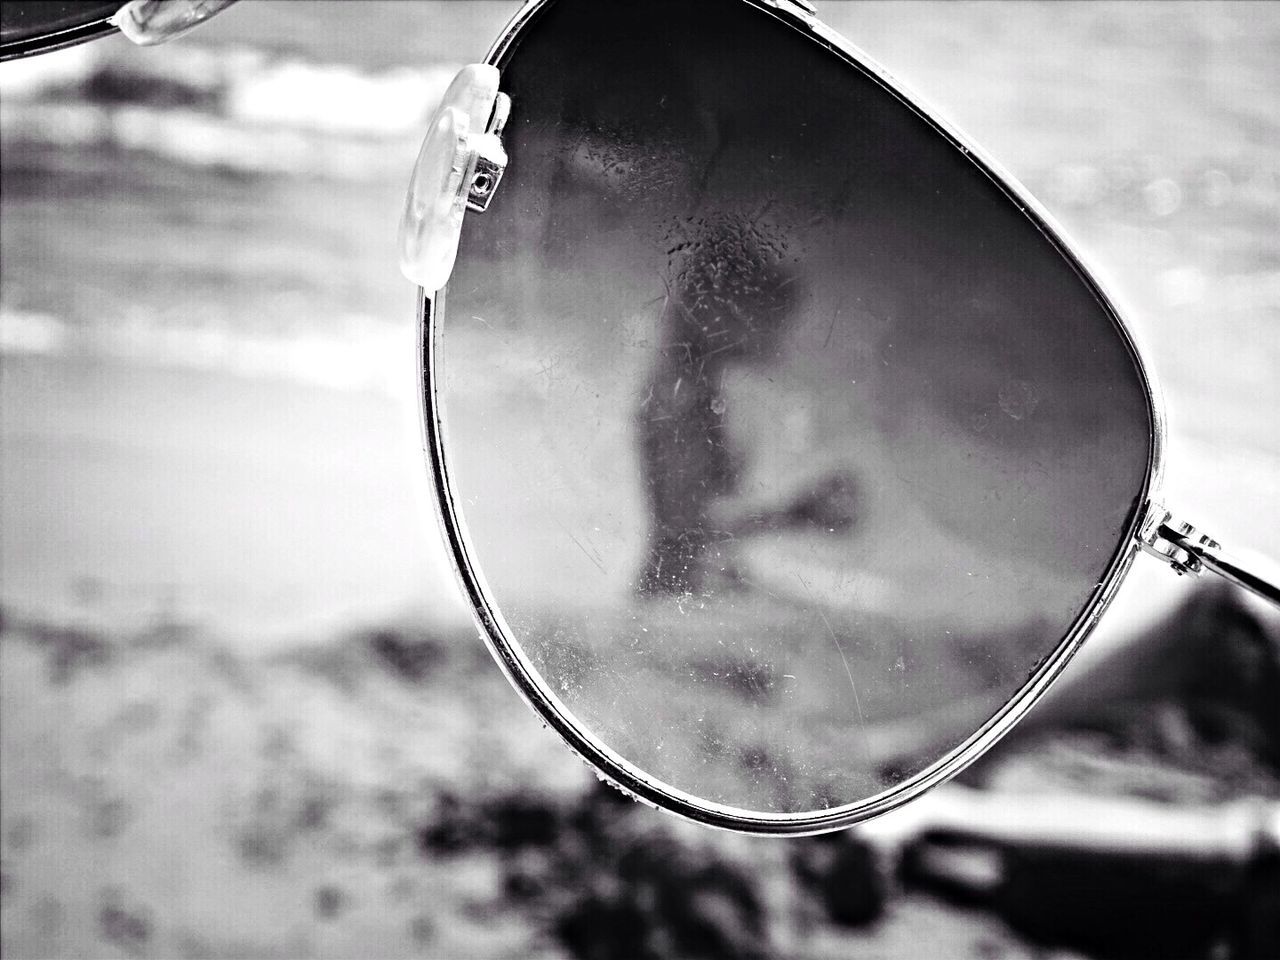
(69, 37)
(556, 714)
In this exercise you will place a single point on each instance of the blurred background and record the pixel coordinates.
(243, 709)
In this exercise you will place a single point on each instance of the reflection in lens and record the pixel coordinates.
(788, 446)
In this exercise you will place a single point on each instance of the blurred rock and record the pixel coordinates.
(608, 878)
(1184, 715)
(1256, 918)
(70, 649)
(412, 657)
(1119, 906)
(329, 901)
(1087, 876)
(657, 897)
(126, 926)
(505, 823)
(844, 874)
(1196, 692)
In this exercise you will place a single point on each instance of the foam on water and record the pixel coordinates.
(234, 107)
(362, 354)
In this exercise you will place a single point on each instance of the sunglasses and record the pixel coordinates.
(785, 449)
(30, 27)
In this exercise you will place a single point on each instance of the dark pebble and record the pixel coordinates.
(128, 929)
(330, 901)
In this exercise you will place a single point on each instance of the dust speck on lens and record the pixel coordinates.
(1018, 399)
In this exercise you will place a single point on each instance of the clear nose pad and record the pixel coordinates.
(148, 22)
(459, 166)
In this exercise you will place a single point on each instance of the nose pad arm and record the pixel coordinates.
(458, 167)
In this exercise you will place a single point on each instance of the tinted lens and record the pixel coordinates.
(34, 26)
(787, 445)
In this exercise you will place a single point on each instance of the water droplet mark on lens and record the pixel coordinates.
(1018, 398)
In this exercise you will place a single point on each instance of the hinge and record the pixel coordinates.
(1186, 550)
(801, 9)
(1175, 541)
